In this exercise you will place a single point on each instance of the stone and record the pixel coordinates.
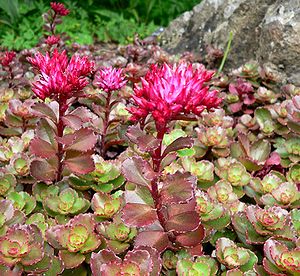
(267, 31)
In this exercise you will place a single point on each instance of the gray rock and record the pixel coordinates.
(265, 30)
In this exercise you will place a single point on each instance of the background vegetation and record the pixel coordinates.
(89, 21)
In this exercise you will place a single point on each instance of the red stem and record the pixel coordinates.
(60, 132)
(156, 159)
(105, 123)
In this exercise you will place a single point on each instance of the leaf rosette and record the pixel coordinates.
(21, 244)
(75, 239)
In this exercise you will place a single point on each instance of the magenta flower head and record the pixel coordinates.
(58, 78)
(167, 92)
(52, 40)
(110, 79)
(59, 8)
(7, 58)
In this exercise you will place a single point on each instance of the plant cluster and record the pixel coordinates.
(135, 162)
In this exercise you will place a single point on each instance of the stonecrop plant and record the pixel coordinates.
(137, 162)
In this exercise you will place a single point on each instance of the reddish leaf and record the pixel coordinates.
(178, 188)
(103, 257)
(138, 171)
(145, 142)
(183, 222)
(179, 143)
(83, 113)
(79, 163)
(45, 110)
(72, 121)
(46, 132)
(44, 170)
(156, 239)
(83, 139)
(156, 259)
(42, 148)
(138, 215)
(192, 238)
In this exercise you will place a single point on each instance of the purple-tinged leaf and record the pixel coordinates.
(178, 188)
(138, 215)
(156, 239)
(79, 163)
(192, 238)
(156, 259)
(42, 148)
(47, 110)
(142, 258)
(82, 140)
(44, 170)
(187, 221)
(179, 143)
(83, 113)
(102, 257)
(72, 121)
(46, 132)
(138, 171)
(4, 131)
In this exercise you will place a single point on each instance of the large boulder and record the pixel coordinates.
(267, 31)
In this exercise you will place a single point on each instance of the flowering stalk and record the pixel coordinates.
(62, 81)
(168, 93)
(109, 80)
(59, 9)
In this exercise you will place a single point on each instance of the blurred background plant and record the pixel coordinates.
(89, 21)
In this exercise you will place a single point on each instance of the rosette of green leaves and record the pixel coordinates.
(22, 201)
(117, 235)
(7, 183)
(255, 225)
(265, 121)
(213, 214)
(105, 178)
(289, 150)
(19, 165)
(105, 205)
(21, 244)
(232, 256)
(234, 172)
(140, 261)
(215, 138)
(203, 170)
(74, 239)
(203, 265)
(41, 221)
(169, 261)
(66, 202)
(279, 259)
(274, 190)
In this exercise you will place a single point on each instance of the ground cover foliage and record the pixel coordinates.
(89, 21)
(129, 161)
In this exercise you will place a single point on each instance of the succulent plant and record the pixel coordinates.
(117, 235)
(289, 150)
(213, 214)
(203, 265)
(66, 202)
(280, 259)
(22, 244)
(255, 225)
(106, 206)
(22, 201)
(232, 171)
(74, 240)
(232, 256)
(140, 261)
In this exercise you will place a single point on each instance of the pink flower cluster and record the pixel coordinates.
(59, 78)
(168, 91)
(59, 8)
(52, 40)
(7, 58)
(110, 79)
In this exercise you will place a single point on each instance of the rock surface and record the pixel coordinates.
(267, 31)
